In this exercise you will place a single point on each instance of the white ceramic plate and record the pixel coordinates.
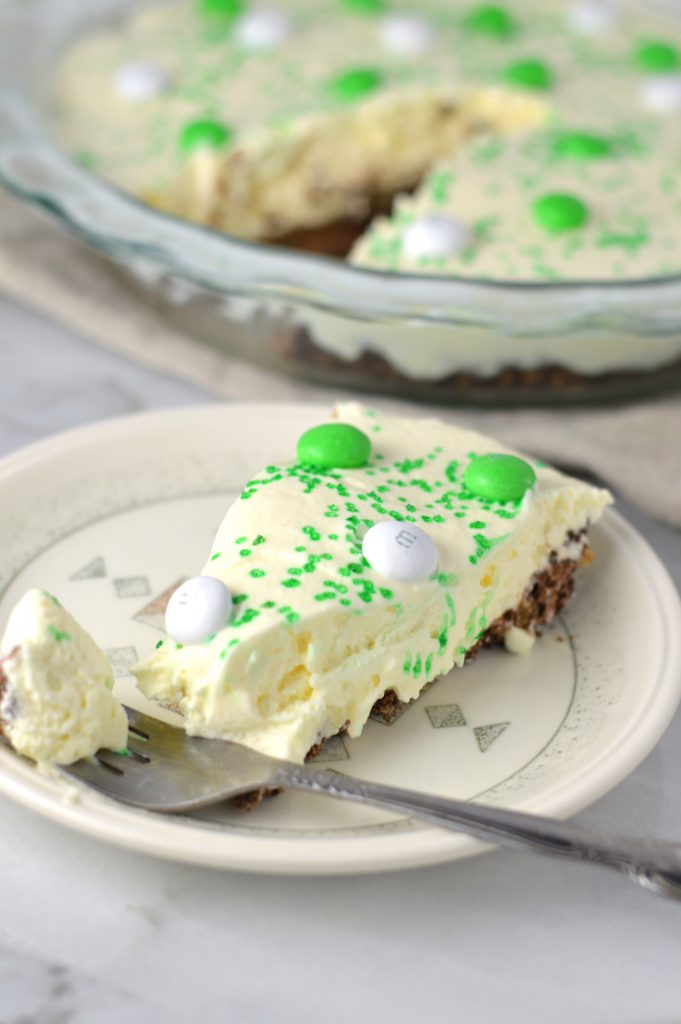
(111, 516)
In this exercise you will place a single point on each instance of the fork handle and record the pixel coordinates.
(654, 865)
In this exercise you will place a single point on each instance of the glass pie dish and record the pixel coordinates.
(449, 340)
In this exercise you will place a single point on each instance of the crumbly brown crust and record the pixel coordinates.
(372, 372)
(545, 597)
(329, 240)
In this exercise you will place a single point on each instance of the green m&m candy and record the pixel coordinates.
(581, 146)
(490, 20)
(352, 85)
(657, 58)
(499, 477)
(364, 6)
(334, 446)
(559, 212)
(221, 8)
(529, 74)
(204, 134)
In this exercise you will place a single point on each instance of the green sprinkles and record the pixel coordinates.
(232, 643)
(248, 616)
(58, 634)
(581, 146)
(447, 487)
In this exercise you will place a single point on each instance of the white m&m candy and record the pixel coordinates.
(262, 29)
(435, 235)
(198, 609)
(400, 551)
(591, 17)
(405, 35)
(662, 93)
(140, 81)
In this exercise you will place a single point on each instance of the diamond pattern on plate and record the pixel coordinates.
(487, 734)
(132, 586)
(153, 614)
(93, 570)
(445, 716)
(334, 749)
(170, 705)
(121, 659)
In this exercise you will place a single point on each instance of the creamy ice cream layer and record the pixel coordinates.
(57, 704)
(318, 634)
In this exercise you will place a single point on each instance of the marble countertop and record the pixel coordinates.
(90, 933)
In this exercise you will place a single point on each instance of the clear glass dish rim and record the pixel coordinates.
(266, 260)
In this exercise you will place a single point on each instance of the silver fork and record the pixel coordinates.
(166, 770)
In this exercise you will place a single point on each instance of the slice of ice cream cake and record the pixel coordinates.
(385, 553)
(56, 700)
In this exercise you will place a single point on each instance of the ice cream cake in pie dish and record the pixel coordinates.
(270, 121)
(343, 581)
(438, 200)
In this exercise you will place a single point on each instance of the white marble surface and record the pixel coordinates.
(90, 933)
